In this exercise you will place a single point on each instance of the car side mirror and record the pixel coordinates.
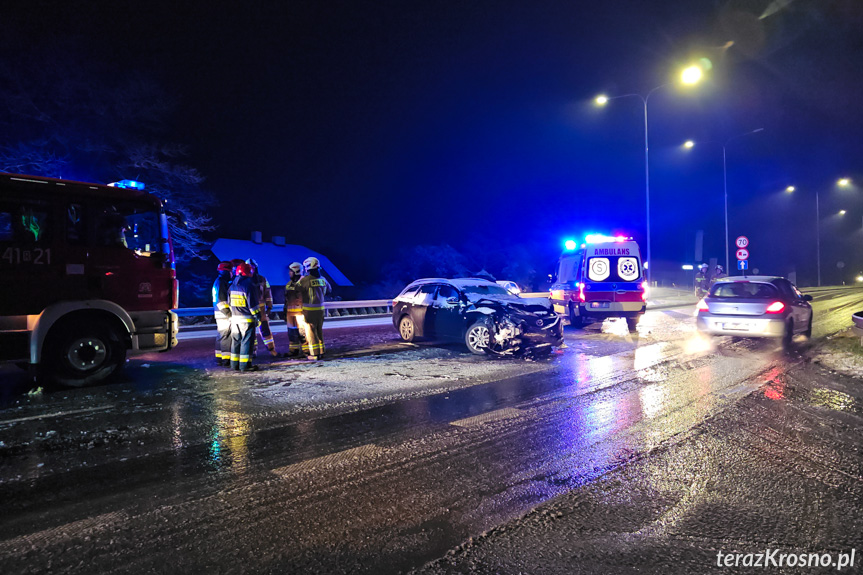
(807, 297)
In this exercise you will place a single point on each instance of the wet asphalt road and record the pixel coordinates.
(300, 468)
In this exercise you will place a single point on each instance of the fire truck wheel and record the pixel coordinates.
(632, 323)
(82, 355)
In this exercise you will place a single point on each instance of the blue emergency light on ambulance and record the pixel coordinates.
(601, 279)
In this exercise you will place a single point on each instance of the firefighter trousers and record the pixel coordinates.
(266, 334)
(296, 325)
(314, 344)
(223, 339)
(242, 336)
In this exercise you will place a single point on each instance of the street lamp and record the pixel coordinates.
(790, 189)
(844, 182)
(725, 185)
(690, 144)
(689, 76)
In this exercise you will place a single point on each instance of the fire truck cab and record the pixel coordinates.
(87, 274)
(601, 278)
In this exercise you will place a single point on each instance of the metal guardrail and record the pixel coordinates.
(332, 308)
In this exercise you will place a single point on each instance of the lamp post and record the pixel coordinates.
(725, 187)
(690, 75)
(689, 144)
(844, 182)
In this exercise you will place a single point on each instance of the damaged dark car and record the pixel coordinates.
(480, 313)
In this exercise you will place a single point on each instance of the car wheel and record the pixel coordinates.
(808, 332)
(788, 335)
(79, 355)
(632, 324)
(575, 321)
(406, 329)
(478, 338)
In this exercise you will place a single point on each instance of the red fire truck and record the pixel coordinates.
(86, 275)
(599, 279)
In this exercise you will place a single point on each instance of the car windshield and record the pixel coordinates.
(744, 290)
(483, 289)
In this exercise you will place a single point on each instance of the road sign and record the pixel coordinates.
(742, 254)
(742, 241)
(742, 265)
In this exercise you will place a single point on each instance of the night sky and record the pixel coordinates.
(359, 127)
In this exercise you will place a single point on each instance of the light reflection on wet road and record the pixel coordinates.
(368, 490)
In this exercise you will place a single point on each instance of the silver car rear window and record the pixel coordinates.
(744, 290)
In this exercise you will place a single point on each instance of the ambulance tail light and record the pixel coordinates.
(702, 305)
(775, 307)
(581, 292)
(644, 290)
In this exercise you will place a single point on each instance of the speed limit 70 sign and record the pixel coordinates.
(742, 241)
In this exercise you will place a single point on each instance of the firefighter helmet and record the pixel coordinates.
(244, 269)
(252, 262)
(225, 266)
(312, 263)
(296, 267)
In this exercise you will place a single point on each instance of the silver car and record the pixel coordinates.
(755, 306)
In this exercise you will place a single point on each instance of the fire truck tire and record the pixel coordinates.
(575, 320)
(83, 353)
(632, 323)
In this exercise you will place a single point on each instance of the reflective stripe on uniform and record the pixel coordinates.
(312, 307)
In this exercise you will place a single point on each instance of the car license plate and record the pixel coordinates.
(734, 326)
(598, 304)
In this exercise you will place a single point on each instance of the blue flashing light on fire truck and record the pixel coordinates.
(87, 275)
(601, 278)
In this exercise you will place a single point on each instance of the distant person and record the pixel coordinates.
(265, 301)
(222, 313)
(244, 318)
(112, 230)
(702, 280)
(718, 273)
(294, 319)
(314, 288)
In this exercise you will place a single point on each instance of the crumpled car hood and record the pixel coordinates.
(517, 304)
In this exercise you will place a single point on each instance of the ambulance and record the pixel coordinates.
(600, 278)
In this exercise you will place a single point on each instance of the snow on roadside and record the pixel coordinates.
(842, 353)
(371, 380)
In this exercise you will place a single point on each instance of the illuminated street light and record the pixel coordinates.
(844, 182)
(859, 278)
(841, 212)
(688, 144)
(790, 189)
(689, 76)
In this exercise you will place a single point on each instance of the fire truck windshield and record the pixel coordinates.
(135, 227)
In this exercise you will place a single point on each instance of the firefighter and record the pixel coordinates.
(702, 280)
(245, 313)
(718, 273)
(222, 312)
(294, 319)
(265, 299)
(313, 288)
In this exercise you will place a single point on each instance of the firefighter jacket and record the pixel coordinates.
(293, 298)
(244, 301)
(265, 294)
(221, 305)
(313, 288)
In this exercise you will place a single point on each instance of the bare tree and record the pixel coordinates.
(62, 115)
